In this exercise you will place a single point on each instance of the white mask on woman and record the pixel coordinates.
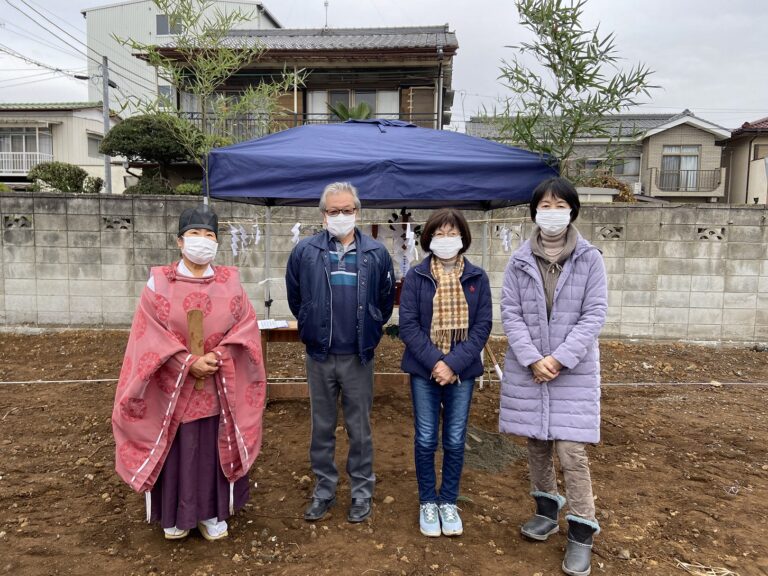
(447, 247)
(199, 250)
(341, 225)
(552, 221)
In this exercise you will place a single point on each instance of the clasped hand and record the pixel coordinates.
(545, 369)
(205, 366)
(443, 374)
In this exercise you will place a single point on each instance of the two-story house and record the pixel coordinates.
(32, 133)
(669, 156)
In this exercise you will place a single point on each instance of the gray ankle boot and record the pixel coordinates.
(578, 551)
(544, 523)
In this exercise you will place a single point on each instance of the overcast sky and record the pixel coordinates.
(709, 55)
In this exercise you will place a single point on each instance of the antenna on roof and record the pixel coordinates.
(326, 13)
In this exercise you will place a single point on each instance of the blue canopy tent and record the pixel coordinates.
(392, 164)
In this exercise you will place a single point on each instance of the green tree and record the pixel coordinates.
(203, 57)
(148, 138)
(581, 86)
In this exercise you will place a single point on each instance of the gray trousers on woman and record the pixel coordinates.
(341, 374)
(575, 466)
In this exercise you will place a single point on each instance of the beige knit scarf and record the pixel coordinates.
(450, 312)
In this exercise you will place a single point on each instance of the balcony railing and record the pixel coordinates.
(20, 163)
(688, 180)
(250, 126)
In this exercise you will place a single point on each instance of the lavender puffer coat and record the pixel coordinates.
(568, 407)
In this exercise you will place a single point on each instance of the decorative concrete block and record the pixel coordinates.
(706, 300)
(741, 283)
(673, 299)
(705, 316)
(84, 205)
(674, 282)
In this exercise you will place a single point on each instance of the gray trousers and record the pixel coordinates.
(575, 466)
(345, 375)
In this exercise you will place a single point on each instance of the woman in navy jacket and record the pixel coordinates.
(445, 320)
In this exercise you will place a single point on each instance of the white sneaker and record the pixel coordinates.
(212, 529)
(450, 520)
(429, 521)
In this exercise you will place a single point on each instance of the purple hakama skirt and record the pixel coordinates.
(191, 486)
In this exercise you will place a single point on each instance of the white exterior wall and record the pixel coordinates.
(137, 20)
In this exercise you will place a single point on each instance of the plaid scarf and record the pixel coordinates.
(450, 312)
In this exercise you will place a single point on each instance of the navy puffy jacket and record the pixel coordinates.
(307, 281)
(421, 354)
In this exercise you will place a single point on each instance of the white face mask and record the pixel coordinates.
(341, 225)
(552, 221)
(198, 249)
(446, 248)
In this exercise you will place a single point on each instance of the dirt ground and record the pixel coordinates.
(681, 474)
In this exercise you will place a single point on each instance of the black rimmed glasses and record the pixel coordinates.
(345, 211)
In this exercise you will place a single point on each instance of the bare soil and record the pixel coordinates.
(681, 474)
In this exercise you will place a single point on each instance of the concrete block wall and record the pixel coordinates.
(691, 272)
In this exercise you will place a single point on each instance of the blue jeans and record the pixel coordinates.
(429, 400)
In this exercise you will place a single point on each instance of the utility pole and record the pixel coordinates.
(105, 102)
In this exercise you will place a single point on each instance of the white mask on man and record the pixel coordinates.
(199, 250)
(447, 247)
(552, 221)
(341, 225)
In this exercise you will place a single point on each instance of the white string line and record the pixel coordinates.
(300, 379)
(364, 222)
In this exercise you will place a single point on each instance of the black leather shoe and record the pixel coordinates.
(318, 508)
(359, 510)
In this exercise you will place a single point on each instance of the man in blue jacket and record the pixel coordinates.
(341, 290)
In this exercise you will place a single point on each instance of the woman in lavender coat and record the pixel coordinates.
(553, 306)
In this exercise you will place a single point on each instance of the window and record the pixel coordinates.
(166, 96)
(367, 96)
(164, 27)
(679, 168)
(761, 151)
(627, 167)
(93, 146)
(27, 140)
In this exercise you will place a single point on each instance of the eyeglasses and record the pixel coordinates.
(346, 212)
(451, 234)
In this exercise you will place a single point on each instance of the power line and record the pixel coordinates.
(146, 86)
(28, 60)
(24, 34)
(52, 76)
